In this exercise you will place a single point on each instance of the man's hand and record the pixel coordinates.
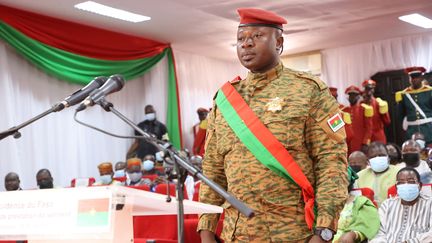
(348, 237)
(207, 236)
(316, 239)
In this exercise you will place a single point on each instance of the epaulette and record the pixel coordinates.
(368, 110)
(398, 96)
(203, 124)
(321, 85)
(346, 117)
(236, 80)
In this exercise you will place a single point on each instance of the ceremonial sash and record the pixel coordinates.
(263, 144)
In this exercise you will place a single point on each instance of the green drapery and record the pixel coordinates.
(81, 70)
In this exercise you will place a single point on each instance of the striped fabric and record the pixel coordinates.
(401, 223)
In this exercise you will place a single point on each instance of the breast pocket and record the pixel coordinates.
(287, 126)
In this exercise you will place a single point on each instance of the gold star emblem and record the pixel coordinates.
(275, 104)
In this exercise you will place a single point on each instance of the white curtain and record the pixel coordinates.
(351, 65)
(70, 150)
(199, 79)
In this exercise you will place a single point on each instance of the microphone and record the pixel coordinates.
(113, 84)
(80, 94)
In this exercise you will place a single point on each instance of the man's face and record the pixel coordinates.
(257, 47)
(149, 109)
(134, 168)
(377, 151)
(416, 83)
(360, 161)
(12, 183)
(369, 91)
(353, 98)
(44, 180)
(202, 115)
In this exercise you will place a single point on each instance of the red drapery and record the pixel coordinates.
(80, 39)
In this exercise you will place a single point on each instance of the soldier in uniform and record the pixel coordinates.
(297, 110)
(415, 103)
(381, 116)
(345, 116)
(361, 118)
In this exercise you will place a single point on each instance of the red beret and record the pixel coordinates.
(352, 89)
(415, 71)
(333, 89)
(260, 17)
(369, 82)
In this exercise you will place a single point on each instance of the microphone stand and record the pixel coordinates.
(182, 167)
(15, 130)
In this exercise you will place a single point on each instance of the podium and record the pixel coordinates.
(84, 215)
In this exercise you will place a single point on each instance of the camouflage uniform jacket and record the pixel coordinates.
(301, 126)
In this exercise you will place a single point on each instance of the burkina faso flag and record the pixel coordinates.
(93, 212)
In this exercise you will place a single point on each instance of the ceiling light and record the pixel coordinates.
(111, 12)
(417, 19)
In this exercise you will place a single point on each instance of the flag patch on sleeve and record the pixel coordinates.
(336, 122)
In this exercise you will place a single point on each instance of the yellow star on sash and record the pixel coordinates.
(275, 104)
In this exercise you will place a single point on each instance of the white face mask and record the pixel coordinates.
(106, 179)
(135, 176)
(422, 143)
(150, 117)
(379, 163)
(148, 165)
(119, 173)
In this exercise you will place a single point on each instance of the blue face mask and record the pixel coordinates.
(150, 117)
(148, 165)
(106, 179)
(379, 163)
(135, 176)
(422, 143)
(119, 173)
(408, 192)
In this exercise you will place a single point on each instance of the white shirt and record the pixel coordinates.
(423, 169)
(400, 223)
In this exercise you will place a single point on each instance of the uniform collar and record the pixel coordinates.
(270, 75)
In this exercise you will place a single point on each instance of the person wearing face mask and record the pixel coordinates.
(361, 121)
(119, 171)
(407, 217)
(106, 174)
(411, 158)
(380, 175)
(357, 161)
(152, 126)
(415, 103)
(134, 174)
(381, 116)
(44, 179)
(420, 139)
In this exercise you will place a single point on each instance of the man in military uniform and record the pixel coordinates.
(345, 116)
(361, 118)
(297, 110)
(381, 116)
(415, 103)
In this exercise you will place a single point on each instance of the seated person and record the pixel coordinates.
(44, 179)
(119, 169)
(358, 161)
(411, 158)
(381, 175)
(359, 218)
(134, 173)
(149, 166)
(407, 217)
(106, 174)
(420, 139)
(394, 152)
(12, 182)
